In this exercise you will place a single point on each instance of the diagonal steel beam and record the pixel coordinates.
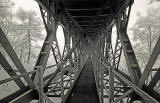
(74, 21)
(154, 80)
(49, 11)
(150, 63)
(117, 54)
(16, 94)
(43, 6)
(138, 90)
(123, 96)
(131, 60)
(25, 97)
(51, 27)
(123, 6)
(44, 53)
(96, 16)
(65, 59)
(10, 71)
(10, 51)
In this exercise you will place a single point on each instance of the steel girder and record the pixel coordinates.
(62, 85)
(121, 42)
(10, 70)
(62, 71)
(130, 57)
(111, 83)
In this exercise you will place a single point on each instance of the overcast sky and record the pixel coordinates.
(138, 6)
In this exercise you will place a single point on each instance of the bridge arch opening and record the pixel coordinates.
(60, 38)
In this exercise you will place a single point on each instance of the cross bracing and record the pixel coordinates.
(88, 62)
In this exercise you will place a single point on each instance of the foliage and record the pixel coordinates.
(146, 31)
(23, 30)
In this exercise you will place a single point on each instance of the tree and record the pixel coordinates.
(151, 1)
(31, 27)
(5, 17)
(23, 29)
(146, 31)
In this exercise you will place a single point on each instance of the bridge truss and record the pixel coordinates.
(87, 31)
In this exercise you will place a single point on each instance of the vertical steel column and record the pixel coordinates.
(101, 48)
(51, 33)
(111, 75)
(121, 24)
(40, 85)
(58, 59)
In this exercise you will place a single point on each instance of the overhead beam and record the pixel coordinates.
(90, 16)
(98, 14)
(74, 21)
(90, 9)
(124, 6)
(50, 12)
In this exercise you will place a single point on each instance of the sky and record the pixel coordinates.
(139, 7)
(32, 5)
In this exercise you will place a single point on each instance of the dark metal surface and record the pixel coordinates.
(86, 23)
(84, 90)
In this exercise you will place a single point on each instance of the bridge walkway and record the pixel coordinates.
(84, 90)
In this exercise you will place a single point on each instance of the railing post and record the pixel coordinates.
(40, 85)
(101, 72)
(111, 86)
(62, 82)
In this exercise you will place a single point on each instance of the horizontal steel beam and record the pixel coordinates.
(74, 21)
(90, 9)
(91, 16)
(23, 75)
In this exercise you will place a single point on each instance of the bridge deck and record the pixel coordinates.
(84, 90)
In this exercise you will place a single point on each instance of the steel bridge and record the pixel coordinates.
(88, 69)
